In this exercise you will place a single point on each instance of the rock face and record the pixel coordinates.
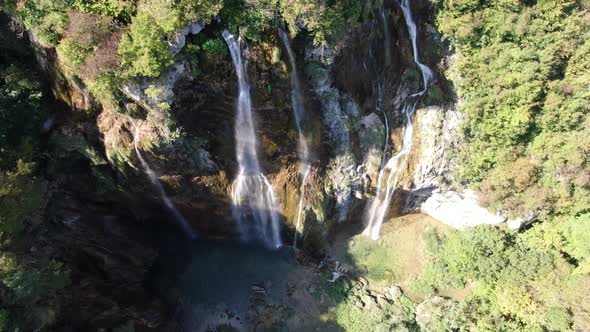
(459, 211)
(436, 136)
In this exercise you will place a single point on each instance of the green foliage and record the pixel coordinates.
(114, 8)
(30, 282)
(214, 48)
(395, 315)
(20, 121)
(376, 258)
(72, 54)
(46, 19)
(522, 74)
(104, 87)
(33, 285)
(20, 194)
(326, 22)
(143, 50)
(514, 281)
(251, 19)
(576, 233)
(199, 10)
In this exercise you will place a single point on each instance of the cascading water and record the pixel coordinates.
(299, 112)
(380, 203)
(254, 202)
(156, 182)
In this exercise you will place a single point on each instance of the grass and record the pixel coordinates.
(379, 259)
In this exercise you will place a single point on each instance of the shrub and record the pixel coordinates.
(214, 48)
(114, 8)
(72, 54)
(514, 281)
(199, 10)
(576, 233)
(522, 76)
(143, 50)
(20, 194)
(47, 20)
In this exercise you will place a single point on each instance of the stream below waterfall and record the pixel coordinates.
(386, 187)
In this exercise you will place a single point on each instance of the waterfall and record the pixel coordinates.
(299, 112)
(380, 204)
(156, 182)
(254, 201)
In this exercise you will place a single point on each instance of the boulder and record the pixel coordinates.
(459, 210)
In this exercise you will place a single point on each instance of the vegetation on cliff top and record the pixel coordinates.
(522, 74)
(108, 41)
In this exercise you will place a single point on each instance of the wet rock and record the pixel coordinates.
(371, 137)
(521, 222)
(258, 289)
(177, 43)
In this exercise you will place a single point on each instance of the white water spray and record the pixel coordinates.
(156, 182)
(298, 111)
(380, 203)
(254, 201)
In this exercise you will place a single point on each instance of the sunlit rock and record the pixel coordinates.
(459, 210)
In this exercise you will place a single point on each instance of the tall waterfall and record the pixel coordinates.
(380, 204)
(299, 112)
(254, 202)
(156, 182)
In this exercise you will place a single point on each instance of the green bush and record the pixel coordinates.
(250, 19)
(576, 233)
(143, 50)
(46, 19)
(214, 48)
(326, 22)
(522, 75)
(114, 8)
(514, 281)
(72, 54)
(20, 194)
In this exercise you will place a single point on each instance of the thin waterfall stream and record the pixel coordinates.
(303, 148)
(255, 206)
(380, 204)
(161, 191)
